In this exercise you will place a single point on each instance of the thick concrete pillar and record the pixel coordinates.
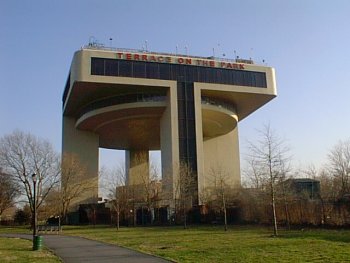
(169, 146)
(222, 154)
(199, 141)
(137, 167)
(85, 146)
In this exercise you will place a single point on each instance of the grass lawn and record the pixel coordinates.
(20, 251)
(238, 244)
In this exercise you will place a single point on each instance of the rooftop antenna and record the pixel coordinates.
(110, 42)
(92, 41)
(186, 50)
(251, 53)
(146, 45)
(176, 49)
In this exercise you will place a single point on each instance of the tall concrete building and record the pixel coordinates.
(187, 107)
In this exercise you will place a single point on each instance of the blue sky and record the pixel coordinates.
(307, 42)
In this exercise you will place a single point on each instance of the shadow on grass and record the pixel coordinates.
(327, 235)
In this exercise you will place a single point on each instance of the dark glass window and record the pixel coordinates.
(66, 89)
(182, 110)
(111, 67)
(125, 69)
(186, 122)
(182, 73)
(165, 71)
(152, 71)
(97, 66)
(139, 70)
(179, 72)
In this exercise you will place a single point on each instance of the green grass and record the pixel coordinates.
(238, 244)
(20, 251)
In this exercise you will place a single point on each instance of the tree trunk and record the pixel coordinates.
(225, 212)
(273, 203)
(185, 216)
(286, 210)
(118, 216)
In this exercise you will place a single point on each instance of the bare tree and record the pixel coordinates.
(149, 180)
(284, 190)
(8, 191)
(52, 205)
(73, 182)
(254, 177)
(220, 189)
(117, 191)
(21, 155)
(184, 190)
(271, 157)
(329, 191)
(339, 166)
(145, 185)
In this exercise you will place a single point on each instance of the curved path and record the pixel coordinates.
(76, 249)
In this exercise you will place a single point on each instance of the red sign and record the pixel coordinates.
(180, 60)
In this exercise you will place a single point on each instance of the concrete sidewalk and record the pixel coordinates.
(76, 249)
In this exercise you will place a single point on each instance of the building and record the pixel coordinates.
(304, 187)
(187, 107)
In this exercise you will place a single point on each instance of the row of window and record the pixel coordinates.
(186, 121)
(121, 99)
(189, 73)
(184, 112)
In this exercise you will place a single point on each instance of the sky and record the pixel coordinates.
(306, 41)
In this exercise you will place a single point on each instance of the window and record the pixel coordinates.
(97, 66)
(186, 123)
(111, 67)
(125, 69)
(182, 73)
(139, 70)
(152, 71)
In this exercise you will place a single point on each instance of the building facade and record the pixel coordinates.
(187, 107)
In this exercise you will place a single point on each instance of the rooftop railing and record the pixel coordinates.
(97, 46)
(122, 99)
(218, 103)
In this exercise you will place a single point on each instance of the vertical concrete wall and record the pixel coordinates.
(199, 140)
(222, 153)
(219, 153)
(86, 145)
(169, 144)
(137, 167)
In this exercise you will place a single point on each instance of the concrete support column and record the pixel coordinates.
(84, 144)
(169, 146)
(137, 167)
(222, 154)
(199, 141)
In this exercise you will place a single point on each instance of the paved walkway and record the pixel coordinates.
(76, 249)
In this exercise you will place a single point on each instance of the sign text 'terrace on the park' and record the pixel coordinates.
(179, 60)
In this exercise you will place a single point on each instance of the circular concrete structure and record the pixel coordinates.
(136, 125)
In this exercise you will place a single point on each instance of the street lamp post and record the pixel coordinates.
(59, 224)
(34, 209)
